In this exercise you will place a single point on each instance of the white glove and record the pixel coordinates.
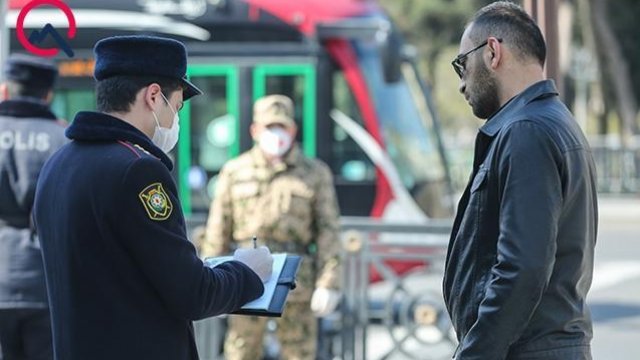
(258, 259)
(324, 301)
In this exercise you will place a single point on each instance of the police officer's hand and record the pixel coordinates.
(258, 259)
(324, 301)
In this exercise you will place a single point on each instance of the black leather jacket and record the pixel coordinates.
(29, 134)
(520, 258)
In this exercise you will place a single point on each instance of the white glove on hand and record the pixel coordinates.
(258, 259)
(324, 301)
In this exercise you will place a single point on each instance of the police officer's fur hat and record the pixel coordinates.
(274, 109)
(143, 56)
(31, 71)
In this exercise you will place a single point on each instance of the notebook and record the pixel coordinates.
(276, 289)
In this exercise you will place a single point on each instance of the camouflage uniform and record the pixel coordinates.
(291, 207)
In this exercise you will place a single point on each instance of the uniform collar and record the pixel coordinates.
(22, 108)
(504, 116)
(96, 126)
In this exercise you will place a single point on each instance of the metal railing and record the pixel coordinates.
(618, 166)
(395, 316)
(400, 315)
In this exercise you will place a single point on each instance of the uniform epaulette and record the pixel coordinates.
(135, 149)
(143, 150)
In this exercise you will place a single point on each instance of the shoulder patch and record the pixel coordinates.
(156, 202)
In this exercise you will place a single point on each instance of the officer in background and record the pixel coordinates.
(288, 201)
(29, 134)
(124, 281)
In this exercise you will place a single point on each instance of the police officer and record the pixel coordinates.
(124, 282)
(29, 134)
(288, 201)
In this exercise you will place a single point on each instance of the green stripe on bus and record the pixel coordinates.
(230, 72)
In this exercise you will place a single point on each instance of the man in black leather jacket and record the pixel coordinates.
(29, 134)
(520, 257)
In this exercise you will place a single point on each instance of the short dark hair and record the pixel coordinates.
(18, 89)
(118, 93)
(509, 21)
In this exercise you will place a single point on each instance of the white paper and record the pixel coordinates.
(263, 302)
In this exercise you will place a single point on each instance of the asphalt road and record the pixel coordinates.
(614, 298)
(615, 294)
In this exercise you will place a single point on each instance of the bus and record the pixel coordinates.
(361, 105)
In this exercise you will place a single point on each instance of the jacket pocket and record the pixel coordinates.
(244, 190)
(479, 180)
(246, 200)
(299, 201)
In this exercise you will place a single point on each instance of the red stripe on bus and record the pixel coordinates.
(344, 55)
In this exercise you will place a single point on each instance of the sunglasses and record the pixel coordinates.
(460, 61)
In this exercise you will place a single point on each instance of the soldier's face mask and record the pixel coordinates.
(275, 141)
(165, 138)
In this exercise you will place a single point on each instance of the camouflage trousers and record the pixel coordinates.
(297, 334)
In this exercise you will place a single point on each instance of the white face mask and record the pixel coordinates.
(165, 138)
(275, 141)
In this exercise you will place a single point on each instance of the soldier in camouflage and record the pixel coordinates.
(288, 201)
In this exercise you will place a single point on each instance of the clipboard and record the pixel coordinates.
(284, 280)
(285, 283)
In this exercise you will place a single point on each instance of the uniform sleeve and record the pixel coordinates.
(220, 223)
(531, 191)
(152, 229)
(327, 228)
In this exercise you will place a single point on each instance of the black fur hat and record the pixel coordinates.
(143, 55)
(31, 71)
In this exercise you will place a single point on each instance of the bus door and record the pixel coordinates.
(209, 130)
(214, 126)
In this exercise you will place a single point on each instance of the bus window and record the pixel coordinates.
(66, 103)
(293, 87)
(348, 162)
(354, 173)
(408, 133)
(297, 81)
(212, 136)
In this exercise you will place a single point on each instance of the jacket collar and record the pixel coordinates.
(504, 116)
(96, 126)
(22, 108)
(291, 159)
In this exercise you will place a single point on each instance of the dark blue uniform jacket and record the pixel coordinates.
(29, 134)
(123, 280)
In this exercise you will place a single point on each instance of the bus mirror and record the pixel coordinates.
(391, 45)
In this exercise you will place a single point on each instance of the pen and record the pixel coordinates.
(255, 242)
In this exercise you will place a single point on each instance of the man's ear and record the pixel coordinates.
(49, 98)
(254, 131)
(151, 95)
(4, 92)
(496, 52)
(293, 131)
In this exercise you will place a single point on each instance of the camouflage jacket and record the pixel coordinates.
(291, 206)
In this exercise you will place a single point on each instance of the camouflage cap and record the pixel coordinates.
(274, 109)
